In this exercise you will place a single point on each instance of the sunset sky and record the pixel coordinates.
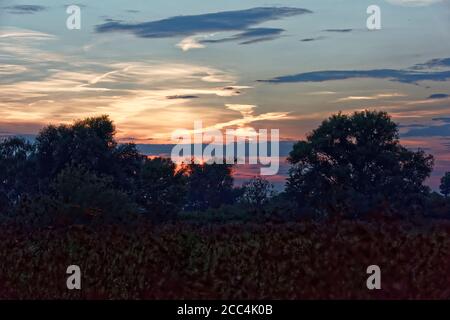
(157, 66)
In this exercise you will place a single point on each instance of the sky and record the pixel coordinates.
(158, 66)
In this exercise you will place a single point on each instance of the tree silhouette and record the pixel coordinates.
(350, 163)
(445, 184)
(161, 187)
(257, 192)
(82, 195)
(209, 185)
(16, 170)
(351, 159)
(89, 143)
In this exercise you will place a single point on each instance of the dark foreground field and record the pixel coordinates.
(302, 260)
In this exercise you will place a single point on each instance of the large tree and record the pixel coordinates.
(209, 185)
(161, 187)
(17, 173)
(257, 192)
(445, 184)
(355, 158)
(88, 143)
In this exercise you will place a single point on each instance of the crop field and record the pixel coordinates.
(301, 260)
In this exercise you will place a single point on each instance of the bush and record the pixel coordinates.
(257, 192)
(82, 196)
(161, 188)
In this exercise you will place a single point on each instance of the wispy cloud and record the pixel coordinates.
(311, 39)
(442, 119)
(438, 96)
(250, 35)
(405, 75)
(193, 27)
(60, 90)
(414, 3)
(24, 9)
(11, 69)
(202, 23)
(372, 97)
(338, 30)
(433, 63)
(242, 124)
(191, 42)
(186, 96)
(431, 131)
(16, 33)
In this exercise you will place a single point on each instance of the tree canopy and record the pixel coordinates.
(445, 184)
(355, 157)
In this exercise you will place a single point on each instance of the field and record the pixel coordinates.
(297, 260)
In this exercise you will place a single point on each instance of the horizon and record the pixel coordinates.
(220, 62)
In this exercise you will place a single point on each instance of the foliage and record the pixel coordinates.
(445, 184)
(354, 161)
(82, 196)
(302, 260)
(16, 170)
(349, 165)
(257, 192)
(89, 143)
(161, 187)
(209, 185)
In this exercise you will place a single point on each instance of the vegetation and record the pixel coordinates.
(147, 228)
(301, 260)
(354, 163)
(445, 184)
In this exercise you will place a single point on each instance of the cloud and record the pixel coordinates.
(140, 96)
(251, 35)
(312, 39)
(442, 119)
(405, 76)
(190, 43)
(16, 33)
(412, 125)
(434, 63)
(438, 96)
(11, 69)
(338, 30)
(242, 124)
(432, 131)
(182, 97)
(321, 93)
(442, 130)
(81, 5)
(413, 3)
(245, 109)
(373, 97)
(23, 48)
(186, 26)
(24, 9)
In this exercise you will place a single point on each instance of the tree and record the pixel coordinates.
(257, 192)
(209, 185)
(16, 170)
(353, 159)
(445, 184)
(161, 187)
(82, 195)
(88, 143)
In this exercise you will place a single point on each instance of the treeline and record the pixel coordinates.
(351, 165)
